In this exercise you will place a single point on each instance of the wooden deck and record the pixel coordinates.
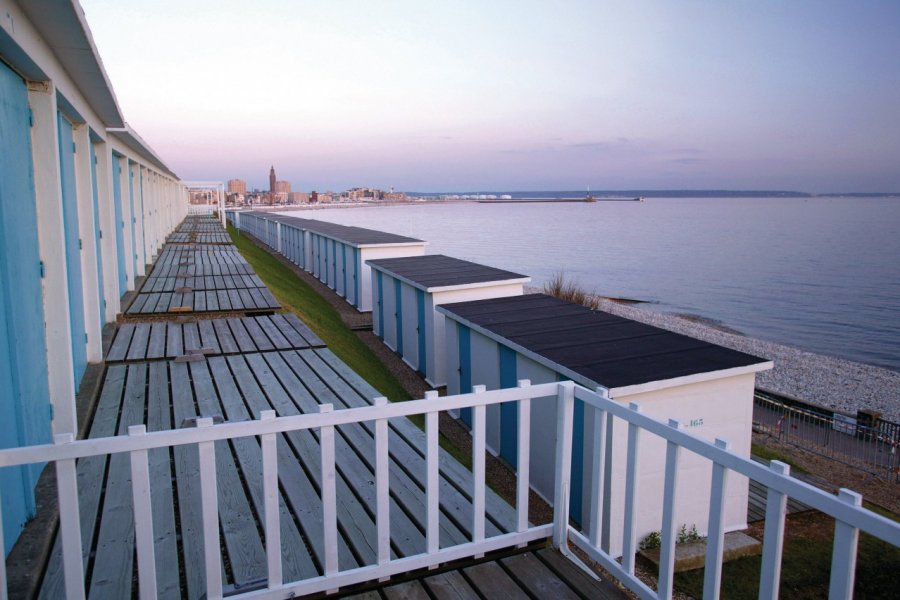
(167, 393)
(201, 278)
(168, 339)
(542, 573)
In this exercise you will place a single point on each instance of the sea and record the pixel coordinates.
(818, 273)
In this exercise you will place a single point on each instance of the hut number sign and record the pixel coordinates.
(695, 423)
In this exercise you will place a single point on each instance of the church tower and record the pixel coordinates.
(272, 179)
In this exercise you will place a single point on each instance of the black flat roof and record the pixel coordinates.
(602, 348)
(436, 270)
(355, 236)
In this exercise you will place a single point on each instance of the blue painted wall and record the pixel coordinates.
(120, 224)
(464, 339)
(133, 218)
(398, 306)
(379, 281)
(98, 233)
(24, 395)
(420, 329)
(509, 418)
(73, 248)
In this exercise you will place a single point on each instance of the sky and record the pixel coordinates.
(507, 95)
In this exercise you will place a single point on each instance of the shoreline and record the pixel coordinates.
(835, 383)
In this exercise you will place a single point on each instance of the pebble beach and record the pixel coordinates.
(841, 385)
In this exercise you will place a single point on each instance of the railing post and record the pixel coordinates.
(629, 543)
(479, 414)
(143, 520)
(670, 486)
(565, 414)
(773, 537)
(432, 489)
(715, 540)
(69, 522)
(382, 486)
(210, 513)
(598, 482)
(843, 559)
(329, 494)
(523, 458)
(270, 502)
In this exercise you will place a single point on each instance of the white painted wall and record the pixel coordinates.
(366, 283)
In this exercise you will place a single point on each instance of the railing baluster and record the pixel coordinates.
(773, 537)
(523, 457)
(843, 559)
(270, 495)
(69, 522)
(715, 541)
(432, 489)
(598, 481)
(329, 494)
(210, 514)
(565, 417)
(607, 489)
(631, 484)
(382, 489)
(479, 413)
(667, 550)
(143, 521)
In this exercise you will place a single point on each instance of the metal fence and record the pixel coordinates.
(873, 445)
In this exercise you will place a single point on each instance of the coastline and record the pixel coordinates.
(835, 383)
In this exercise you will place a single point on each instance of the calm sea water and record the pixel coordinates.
(822, 274)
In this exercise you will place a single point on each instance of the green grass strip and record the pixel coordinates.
(296, 295)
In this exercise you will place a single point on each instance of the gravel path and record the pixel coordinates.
(835, 383)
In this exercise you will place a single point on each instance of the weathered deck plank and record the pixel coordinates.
(159, 418)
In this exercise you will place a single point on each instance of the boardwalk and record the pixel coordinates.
(167, 373)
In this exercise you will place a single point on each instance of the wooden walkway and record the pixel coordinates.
(200, 277)
(542, 573)
(167, 339)
(167, 393)
(167, 373)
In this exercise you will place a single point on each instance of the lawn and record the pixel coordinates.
(806, 565)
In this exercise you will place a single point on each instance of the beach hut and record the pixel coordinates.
(335, 254)
(707, 388)
(406, 292)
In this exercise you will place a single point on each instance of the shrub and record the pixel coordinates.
(560, 287)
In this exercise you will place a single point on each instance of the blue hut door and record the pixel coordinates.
(357, 258)
(344, 271)
(24, 396)
(334, 278)
(133, 218)
(97, 233)
(420, 329)
(464, 339)
(73, 248)
(398, 305)
(509, 417)
(379, 283)
(120, 224)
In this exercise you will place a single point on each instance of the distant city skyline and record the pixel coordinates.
(513, 95)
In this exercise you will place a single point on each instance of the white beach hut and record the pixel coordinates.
(406, 292)
(707, 388)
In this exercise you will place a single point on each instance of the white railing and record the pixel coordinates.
(202, 209)
(845, 508)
